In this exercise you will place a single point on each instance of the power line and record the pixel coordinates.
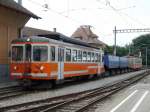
(82, 9)
(134, 19)
(127, 15)
(45, 6)
(107, 3)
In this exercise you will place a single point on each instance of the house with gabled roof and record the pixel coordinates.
(85, 33)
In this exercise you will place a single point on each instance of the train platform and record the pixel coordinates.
(68, 89)
(135, 98)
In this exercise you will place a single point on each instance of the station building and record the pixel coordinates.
(13, 17)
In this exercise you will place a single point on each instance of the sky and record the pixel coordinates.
(102, 15)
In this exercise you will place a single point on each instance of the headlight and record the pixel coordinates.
(42, 68)
(28, 39)
(15, 68)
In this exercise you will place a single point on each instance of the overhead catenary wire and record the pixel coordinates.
(54, 11)
(118, 11)
(61, 13)
(107, 4)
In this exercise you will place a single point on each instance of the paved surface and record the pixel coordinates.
(67, 89)
(133, 99)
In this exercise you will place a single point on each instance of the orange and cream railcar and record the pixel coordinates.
(134, 63)
(40, 58)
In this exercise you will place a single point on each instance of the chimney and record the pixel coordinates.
(20, 2)
(54, 29)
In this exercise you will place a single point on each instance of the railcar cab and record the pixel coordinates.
(29, 57)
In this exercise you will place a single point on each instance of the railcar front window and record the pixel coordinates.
(17, 53)
(40, 53)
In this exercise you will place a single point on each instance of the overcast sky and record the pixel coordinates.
(102, 15)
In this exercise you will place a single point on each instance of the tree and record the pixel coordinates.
(140, 44)
(121, 51)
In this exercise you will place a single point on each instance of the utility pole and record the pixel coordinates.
(146, 57)
(115, 41)
(115, 31)
(129, 50)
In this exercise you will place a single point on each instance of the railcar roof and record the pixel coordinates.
(31, 39)
(61, 37)
(58, 37)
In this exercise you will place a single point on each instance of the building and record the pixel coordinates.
(13, 17)
(85, 33)
(28, 31)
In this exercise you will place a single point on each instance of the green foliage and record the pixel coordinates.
(121, 51)
(140, 44)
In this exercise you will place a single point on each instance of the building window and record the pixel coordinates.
(52, 53)
(68, 54)
(74, 55)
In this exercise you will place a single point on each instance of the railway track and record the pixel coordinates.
(76, 102)
(9, 92)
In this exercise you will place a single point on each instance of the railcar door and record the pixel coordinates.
(60, 63)
(27, 53)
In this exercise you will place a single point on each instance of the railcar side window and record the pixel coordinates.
(89, 57)
(68, 54)
(17, 53)
(99, 58)
(84, 58)
(96, 57)
(40, 53)
(74, 55)
(92, 57)
(52, 53)
(79, 55)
